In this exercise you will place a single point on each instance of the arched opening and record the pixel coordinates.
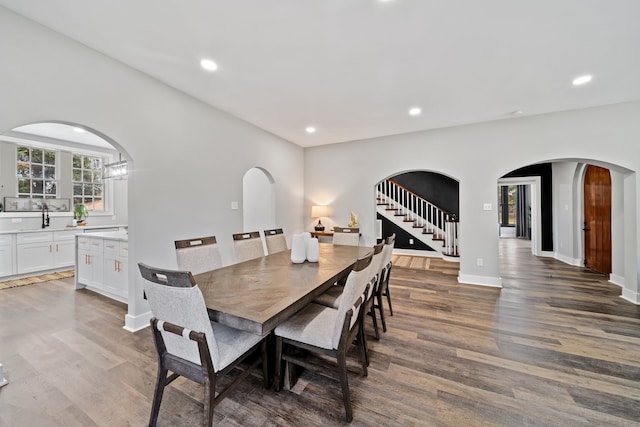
(422, 208)
(258, 200)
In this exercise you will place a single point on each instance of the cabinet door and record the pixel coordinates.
(63, 254)
(35, 257)
(115, 276)
(6, 260)
(84, 272)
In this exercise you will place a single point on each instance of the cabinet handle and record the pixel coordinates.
(57, 247)
(50, 249)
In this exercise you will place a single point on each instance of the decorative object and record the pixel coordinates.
(318, 211)
(35, 204)
(80, 213)
(313, 250)
(298, 248)
(353, 222)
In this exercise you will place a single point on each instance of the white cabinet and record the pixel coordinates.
(90, 262)
(6, 255)
(102, 264)
(35, 251)
(116, 267)
(63, 248)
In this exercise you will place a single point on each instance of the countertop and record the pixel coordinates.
(121, 235)
(82, 228)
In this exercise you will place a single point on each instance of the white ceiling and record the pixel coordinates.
(353, 68)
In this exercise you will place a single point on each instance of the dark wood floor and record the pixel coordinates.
(556, 346)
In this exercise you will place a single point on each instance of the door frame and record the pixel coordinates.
(535, 182)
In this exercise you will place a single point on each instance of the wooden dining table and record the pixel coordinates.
(259, 294)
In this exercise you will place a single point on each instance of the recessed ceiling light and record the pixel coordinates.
(582, 80)
(310, 129)
(208, 65)
(415, 111)
(79, 130)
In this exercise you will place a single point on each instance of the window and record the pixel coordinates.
(36, 172)
(88, 188)
(507, 205)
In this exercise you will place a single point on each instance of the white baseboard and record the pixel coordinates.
(547, 254)
(616, 280)
(471, 279)
(567, 260)
(137, 323)
(631, 296)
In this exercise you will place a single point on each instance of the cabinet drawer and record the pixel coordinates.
(6, 239)
(111, 248)
(96, 246)
(45, 236)
(84, 243)
(61, 236)
(124, 249)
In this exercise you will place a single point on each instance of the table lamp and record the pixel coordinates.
(319, 212)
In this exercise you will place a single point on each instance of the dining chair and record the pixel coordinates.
(333, 296)
(190, 345)
(198, 255)
(275, 240)
(346, 236)
(327, 331)
(383, 284)
(247, 246)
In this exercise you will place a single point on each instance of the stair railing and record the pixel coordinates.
(424, 214)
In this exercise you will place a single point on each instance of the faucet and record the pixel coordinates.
(45, 219)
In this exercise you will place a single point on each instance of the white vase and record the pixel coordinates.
(298, 249)
(313, 250)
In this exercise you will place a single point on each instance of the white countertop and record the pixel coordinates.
(80, 229)
(121, 235)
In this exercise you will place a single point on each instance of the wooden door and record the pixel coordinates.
(597, 219)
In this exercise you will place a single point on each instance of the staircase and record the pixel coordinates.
(426, 222)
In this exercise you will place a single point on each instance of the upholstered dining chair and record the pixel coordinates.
(327, 331)
(247, 246)
(346, 236)
(198, 255)
(383, 285)
(189, 344)
(275, 240)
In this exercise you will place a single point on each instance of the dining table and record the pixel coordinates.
(259, 294)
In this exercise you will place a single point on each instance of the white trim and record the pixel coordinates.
(616, 280)
(472, 279)
(631, 296)
(568, 260)
(546, 254)
(416, 252)
(137, 323)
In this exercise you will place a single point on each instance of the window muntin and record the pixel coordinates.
(36, 172)
(88, 186)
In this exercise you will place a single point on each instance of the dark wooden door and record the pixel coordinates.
(597, 219)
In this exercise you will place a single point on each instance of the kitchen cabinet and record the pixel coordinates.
(102, 264)
(45, 250)
(6, 255)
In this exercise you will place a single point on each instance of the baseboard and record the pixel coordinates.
(633, 297)
(546, 254)
(471, 279)
(567, 260)
(414, 252)
(616, 280)
(137, 323)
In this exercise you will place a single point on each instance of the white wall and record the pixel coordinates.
(565, 208)
(186, 158)
(477, 155)
(258, 207)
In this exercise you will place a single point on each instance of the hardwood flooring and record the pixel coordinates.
(556, 346)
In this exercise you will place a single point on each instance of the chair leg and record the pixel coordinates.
(364, 351)
(157, 395)
(209, 402)
(381, 309)
(265, 363)
(342, 367)
(278, 368)
(372, 313)
(389, 301)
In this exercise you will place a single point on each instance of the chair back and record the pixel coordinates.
(354, 289)
(198, 255)
(175, 297)
(275, 240)
(247, 246)
(376, 262)
(385, 264)
(346, 236)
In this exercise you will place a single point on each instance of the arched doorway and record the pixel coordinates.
(258, 200)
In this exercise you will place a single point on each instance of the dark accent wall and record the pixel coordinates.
(438, 189)
(544, 171)
(402, 237)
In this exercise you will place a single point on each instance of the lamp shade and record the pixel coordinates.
(319, 211)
